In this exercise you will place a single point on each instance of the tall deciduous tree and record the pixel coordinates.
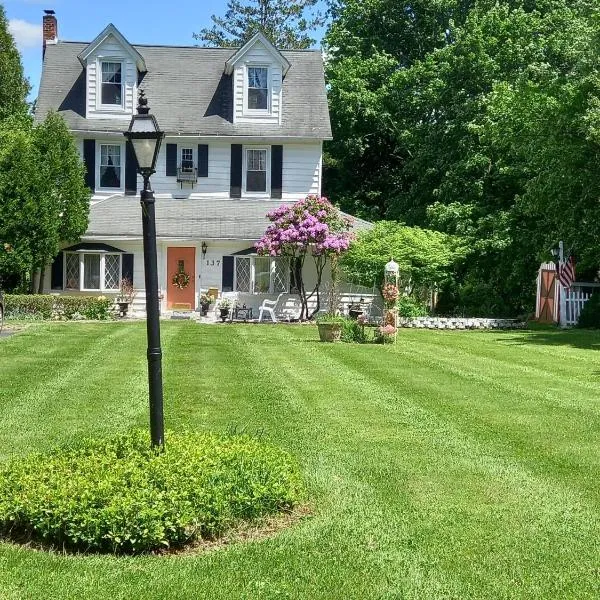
(488, 129)
(287, 23)
(43, 197)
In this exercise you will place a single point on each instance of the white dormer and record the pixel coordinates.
(258, 69)
(112, 65)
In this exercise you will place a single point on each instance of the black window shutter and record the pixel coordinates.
(127, 270)
(235, 190)
(56, 277)
(130, 170)
(276, 171)
(89, 159)
(227, 281)
(171, 160)
(202, 160)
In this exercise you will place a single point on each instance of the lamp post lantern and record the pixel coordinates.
(146, 137)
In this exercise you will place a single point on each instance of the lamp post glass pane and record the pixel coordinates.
(144, 151)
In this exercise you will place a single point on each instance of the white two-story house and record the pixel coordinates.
(244, 131)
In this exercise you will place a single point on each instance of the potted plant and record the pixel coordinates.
(205, 301)
(126, 296)
(225, 305)
(330, 327)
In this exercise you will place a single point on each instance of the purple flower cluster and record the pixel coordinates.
(312, 223)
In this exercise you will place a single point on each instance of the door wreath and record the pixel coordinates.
(181, 280)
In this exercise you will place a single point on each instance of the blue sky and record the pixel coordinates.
(159, 22)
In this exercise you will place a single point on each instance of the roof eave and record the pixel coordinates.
(110, 29)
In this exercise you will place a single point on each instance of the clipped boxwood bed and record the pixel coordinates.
(122, 496)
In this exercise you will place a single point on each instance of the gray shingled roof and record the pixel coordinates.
(189, 92)
(189, 218)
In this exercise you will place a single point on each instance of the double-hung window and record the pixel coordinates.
(261, 274)
(110, 166)
(91, 271)
(111, 93)
(256, 170)
(258, 88)
(187, 160)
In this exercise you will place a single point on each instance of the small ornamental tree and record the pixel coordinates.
(310, 227)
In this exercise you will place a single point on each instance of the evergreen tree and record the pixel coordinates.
(13, 85)
(287, 23)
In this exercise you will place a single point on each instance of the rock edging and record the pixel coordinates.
(459, 323)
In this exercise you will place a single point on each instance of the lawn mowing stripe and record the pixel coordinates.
(518, 479)
(83, 392)
(499, 420)
(411, 503)
(574, 369)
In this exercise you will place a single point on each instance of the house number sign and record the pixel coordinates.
(213, 263)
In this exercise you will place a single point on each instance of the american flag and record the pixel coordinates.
(566, 272)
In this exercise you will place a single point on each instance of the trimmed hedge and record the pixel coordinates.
(43, 307)
(120, 495)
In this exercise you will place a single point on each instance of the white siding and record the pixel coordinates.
(301, 170)
(216, 185)
(111, 49)
(260, 56)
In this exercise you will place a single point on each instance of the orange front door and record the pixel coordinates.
(181, 262)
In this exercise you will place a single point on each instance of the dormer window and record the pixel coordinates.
(258, 88)
(112, 84)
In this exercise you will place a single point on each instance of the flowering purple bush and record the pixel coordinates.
(312, 226)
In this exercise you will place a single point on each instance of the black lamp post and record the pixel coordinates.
(145, 136)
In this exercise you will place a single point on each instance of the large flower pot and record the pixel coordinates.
(224, 314)
(330, 332)
(204, 309)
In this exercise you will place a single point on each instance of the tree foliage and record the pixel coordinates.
(482, 121)
(13, 85)
(313, 228)
(287, 23)
(43, 197)
(426, 258)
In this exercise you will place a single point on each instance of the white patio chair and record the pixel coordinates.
(269, 306)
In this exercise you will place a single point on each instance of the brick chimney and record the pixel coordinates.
(49, 29)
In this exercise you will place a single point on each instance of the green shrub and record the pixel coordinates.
(330, 319)
(119, 495)
(353, 332)
(409, 307)
(38, 306)
(590, 313)
(28, 306)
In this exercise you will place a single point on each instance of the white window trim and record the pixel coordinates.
(180, 150)
(253, 291)
(123, 158)
(267, 191)
(113, 108)
(258, 112)
(103, 255)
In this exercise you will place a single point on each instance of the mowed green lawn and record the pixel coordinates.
(453, 465)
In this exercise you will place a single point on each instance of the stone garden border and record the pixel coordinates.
(459, 323)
